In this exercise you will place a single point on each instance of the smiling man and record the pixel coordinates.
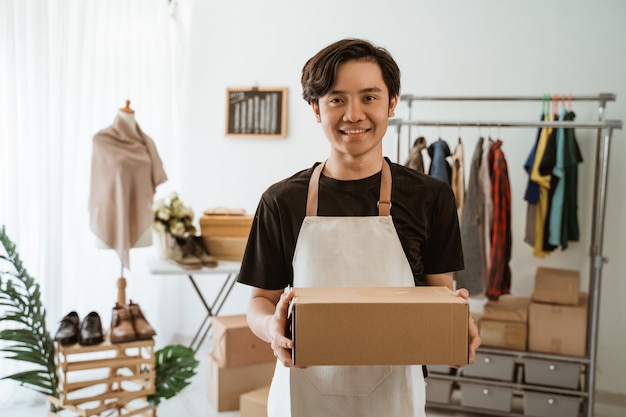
(354, 220)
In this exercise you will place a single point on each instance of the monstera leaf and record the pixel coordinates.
(175, 366)
(27, 338)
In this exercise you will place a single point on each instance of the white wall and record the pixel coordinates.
(481, 47)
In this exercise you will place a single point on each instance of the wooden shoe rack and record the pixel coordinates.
(112, 378)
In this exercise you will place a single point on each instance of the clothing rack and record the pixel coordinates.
(605, 130)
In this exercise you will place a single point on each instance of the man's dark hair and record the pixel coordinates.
(319, 73)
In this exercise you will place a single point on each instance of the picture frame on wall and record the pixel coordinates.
(259, 112)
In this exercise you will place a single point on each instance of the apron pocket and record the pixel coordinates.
(344, 380)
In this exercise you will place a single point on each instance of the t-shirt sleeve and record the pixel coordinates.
(443, 251)
(264, 264)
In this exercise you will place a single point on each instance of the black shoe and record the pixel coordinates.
(68, 330)
(91, 330)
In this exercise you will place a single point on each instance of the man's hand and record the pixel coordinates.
(281, 344)
(474, 337)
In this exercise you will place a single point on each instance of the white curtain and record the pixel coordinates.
(66, 67)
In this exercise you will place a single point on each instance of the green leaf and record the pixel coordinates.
(174, 365)
(30, 342)
(38, 380)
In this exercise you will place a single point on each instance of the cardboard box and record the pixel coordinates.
(234, 343)
(558, 329)
(503, 334)
(227, 384)
(507, 308)
(254, 403)
(379, 326)
(224, 225)
(557, 286)
(226, 248)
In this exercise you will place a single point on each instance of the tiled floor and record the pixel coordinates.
(193, 402)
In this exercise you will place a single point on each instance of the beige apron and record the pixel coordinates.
(349, 252)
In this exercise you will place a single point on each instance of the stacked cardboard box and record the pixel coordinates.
(239, 363)
(557, 315)
(225, 235)
(504, 324)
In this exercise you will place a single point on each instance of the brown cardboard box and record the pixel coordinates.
(379, 326)
(226, 235)
(224, 225)
(558, 329)
(234, 343)
(227, 384)
(503, 334)
(558, 286)
(507, 308)
(254, 403)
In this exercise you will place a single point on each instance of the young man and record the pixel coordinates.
(344, 222)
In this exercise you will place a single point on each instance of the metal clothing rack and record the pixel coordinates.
(605, 130)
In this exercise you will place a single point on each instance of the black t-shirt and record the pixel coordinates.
(423, 212)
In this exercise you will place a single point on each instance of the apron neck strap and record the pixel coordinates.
(384, 202)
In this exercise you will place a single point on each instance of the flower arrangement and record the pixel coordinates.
(172, 216)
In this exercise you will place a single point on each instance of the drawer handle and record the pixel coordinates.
(487, 360)
(552, 367)
(551, 401)
(485, 391)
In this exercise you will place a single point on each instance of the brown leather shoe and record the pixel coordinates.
(122, 329)
(183, 254)
(141, 325)
(202, 252)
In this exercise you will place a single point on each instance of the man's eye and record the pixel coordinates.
(370, 98)
(335, 100)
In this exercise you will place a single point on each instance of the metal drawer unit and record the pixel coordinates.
(538, 404)
(486, 396)
(512, 383)
(491, 366)
(552, 373)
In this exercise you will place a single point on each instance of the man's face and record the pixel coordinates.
(354, 114)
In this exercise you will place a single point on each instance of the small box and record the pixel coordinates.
(224, 225)
(558, 329)
(234, 343)
(254, 403)
(550, 405)
(438, 390)
(379, 326)
(226, 248)
(557, 286)
(491, 366)
(486, 397)
(552, 373)
(503, 334)
(507, 308)
(227, 384)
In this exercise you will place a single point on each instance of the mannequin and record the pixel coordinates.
(128, 115)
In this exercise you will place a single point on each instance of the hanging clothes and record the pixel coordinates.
(125, 171)
(499, 277)
(544, 185)
(531, 196)
(484, 182)
(439, 166)
(458, 177)
(471, 278)
(415, 159)
(546, 166)
(571, 158)
(558, 183)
